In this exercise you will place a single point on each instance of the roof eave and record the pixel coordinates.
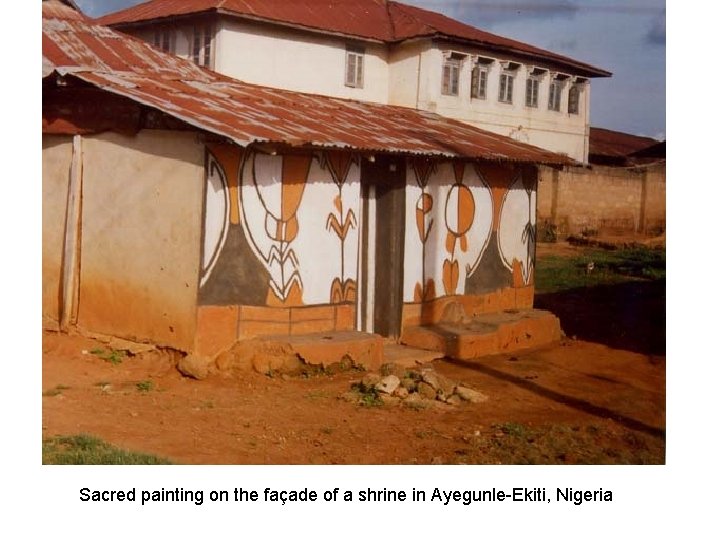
(240, 16)
(580, 68)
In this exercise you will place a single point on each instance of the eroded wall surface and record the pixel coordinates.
(469, 239)
(141, 233)
(56, 160)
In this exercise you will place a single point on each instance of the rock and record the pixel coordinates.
(388, 385)
(426, 391)
(391, 401)
(197, 367)
(443, 386)
(401, 392)
(369, 381)
(414, 401)
(454, 400)
(391, 368)
(409, 384)
(468, 394)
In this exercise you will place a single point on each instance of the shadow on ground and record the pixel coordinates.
(628, 316)
(579, 404)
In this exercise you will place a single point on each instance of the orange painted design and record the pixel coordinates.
(422, 208)
(230, 156)
(343, 291)
(294, 297)
(295, 169)
(348, 222)
(450, 242)
(517, 274)
(451, 275)
(428, 293)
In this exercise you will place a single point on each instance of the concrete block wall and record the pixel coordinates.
(602, 199)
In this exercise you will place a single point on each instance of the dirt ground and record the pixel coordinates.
(599, 394)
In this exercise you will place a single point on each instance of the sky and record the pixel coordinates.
(624, 37)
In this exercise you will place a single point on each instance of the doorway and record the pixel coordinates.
(382, 242)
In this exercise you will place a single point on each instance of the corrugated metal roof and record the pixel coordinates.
(248, 113)
(605, 142)
(378, 20)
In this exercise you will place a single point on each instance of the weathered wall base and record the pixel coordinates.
(218, 327)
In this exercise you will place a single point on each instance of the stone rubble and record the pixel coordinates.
(417, 389)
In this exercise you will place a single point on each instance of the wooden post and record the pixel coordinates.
(71, 251)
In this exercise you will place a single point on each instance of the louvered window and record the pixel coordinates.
(451, 78)
(478, 82)
(532, 87)
(574, 100)
(506, 87)
(354, 67)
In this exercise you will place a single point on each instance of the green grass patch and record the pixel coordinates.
(110, 355)
(598, 267)
(144, 386)
(88, 450)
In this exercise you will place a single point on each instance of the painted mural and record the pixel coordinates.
(518, 225)
(451, 206)
(295, 242)
(217, 215)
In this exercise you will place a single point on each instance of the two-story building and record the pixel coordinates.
(384, 52)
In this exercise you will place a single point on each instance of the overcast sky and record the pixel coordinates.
(626, 38)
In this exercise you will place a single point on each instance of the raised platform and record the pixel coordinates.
(485, 335)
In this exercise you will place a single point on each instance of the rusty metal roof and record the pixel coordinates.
(377, 20)
(247, 113)
(605, 142)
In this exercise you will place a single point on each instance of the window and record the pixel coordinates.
(555, 95)
(532, 87)
(506, 87)
(574, 99)
(451, 77)
(478, 82)
(201, 43)
(165, 40)
(354, 65)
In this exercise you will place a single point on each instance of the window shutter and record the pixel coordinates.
(350, 70)
(446, 79)
(206, 47)
(528, 93)
(509, 88)
(359, 76)
(475, 82)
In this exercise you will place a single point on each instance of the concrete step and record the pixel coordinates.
(485, 335)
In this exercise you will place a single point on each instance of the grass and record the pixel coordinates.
(144, 386)
(89, 450)
(110, 355)
(555, 273)
(520, 444)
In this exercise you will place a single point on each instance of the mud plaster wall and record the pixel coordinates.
(141, 223)
(280, 243)
(469, 238)
(603, 198)
(56, 159)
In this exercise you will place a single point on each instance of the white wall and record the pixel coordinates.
(558, 131)
(407, 74)
(289, 59)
